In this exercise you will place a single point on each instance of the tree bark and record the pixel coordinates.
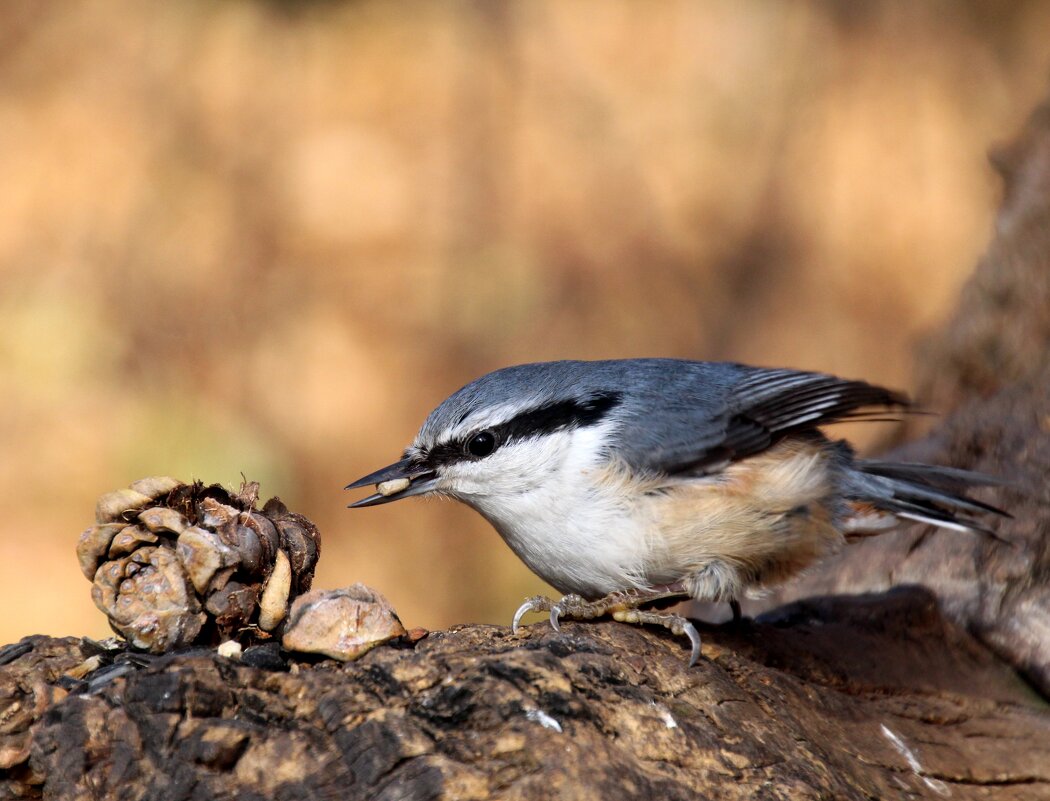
(899, 692)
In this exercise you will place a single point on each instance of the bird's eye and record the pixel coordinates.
(481, 444)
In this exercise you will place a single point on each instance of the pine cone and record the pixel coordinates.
(176, 564)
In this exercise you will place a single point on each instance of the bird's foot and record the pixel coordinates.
(621, 606)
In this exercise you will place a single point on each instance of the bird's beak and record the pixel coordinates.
(400, 480)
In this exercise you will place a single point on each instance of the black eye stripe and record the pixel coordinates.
(545, 419)
(558, 416)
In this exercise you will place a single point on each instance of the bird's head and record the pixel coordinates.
(505, 434)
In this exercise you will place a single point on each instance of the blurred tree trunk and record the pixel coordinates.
(910, 693)
(989, 371)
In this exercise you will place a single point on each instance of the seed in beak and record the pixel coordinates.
(388, 488)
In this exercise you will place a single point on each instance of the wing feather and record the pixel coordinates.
(759, 410)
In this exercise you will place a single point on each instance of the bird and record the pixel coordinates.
(631, 484)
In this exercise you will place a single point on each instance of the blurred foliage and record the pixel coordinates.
(267, 237)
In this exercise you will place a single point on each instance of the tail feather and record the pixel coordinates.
(924, 493)
(950, 478)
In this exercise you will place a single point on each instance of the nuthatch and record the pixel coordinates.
(640, 481)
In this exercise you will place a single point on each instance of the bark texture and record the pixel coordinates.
(902, 692)
(845, 698)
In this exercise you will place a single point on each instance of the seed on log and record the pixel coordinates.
(231, 649)
(342, 624)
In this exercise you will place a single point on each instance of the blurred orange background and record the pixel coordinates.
(268, 237)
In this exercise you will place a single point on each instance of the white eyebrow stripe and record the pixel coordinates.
(487, 418)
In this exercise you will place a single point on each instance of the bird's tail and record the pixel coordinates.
(880, 493)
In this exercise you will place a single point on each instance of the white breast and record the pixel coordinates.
(586, 524)
(564, 510)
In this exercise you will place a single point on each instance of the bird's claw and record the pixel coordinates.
(556, 612)
(537, 603)
(689, 630)
(541, 603)
(622, 606)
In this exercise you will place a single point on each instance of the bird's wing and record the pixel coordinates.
(744, 416)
